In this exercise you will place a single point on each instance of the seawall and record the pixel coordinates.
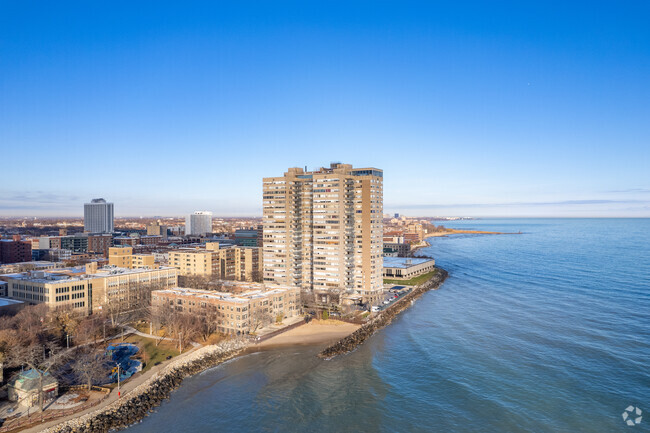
(352, 341)
(138, 403)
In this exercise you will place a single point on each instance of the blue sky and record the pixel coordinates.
(470, 108)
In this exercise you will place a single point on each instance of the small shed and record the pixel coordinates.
(24, 388)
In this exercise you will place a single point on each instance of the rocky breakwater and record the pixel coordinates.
(141, 400)
(352, 341)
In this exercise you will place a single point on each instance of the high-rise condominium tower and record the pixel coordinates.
(323, 230)
(98, 216)
(198, 223)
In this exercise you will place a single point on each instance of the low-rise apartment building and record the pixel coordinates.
(237, 314)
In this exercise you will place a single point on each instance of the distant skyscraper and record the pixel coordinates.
(323, 230)
(198, 223)
(98, 216)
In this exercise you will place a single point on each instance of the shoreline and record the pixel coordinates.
(448, 232)
(137, 404)
(358, 337)
(425, 243)
(313, 333)
(342, 337)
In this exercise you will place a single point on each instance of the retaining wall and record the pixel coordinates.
(141, 400)
(352, 341)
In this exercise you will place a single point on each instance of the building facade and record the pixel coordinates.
(218, 261)
(323, 230)
(123, 257)
(157, 229)
(248, 238)
(100, 243)
(194, 261)
(198, 223)
(240, 313)
(14, 251)
(98, 216)
(86, 290)
(402, 267)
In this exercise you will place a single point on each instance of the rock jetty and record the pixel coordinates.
(141, 400)
(352, 341)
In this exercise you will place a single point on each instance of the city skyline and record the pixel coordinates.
(471, 110)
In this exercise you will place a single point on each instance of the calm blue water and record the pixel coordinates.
(547, 331)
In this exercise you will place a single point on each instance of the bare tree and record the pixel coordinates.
(257, 276)
(193, 281)
(41, 358)
(260, 318)
(158, 315)
(90, 366)
(64, 321)
(207, 322)
(182, 326)
(307, 297)
(32, 319)
(87, 330)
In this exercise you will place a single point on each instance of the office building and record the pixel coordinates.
(87, 290)
(98, 216)
(199, 223)
(249, 238)
(323, 230)
(77, 243)
(402, 267)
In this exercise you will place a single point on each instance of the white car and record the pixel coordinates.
(375, 308)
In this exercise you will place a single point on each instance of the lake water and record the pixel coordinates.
(545, 331)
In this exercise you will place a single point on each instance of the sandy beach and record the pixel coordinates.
(314, 332)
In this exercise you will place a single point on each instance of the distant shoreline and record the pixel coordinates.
(447, 232)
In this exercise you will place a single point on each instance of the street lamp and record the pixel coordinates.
(118, 381)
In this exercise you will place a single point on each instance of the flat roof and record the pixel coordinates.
(4, 302)
(260, 292)
(79, 274)
(403, 262)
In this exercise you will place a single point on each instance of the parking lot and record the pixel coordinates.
(392, 293)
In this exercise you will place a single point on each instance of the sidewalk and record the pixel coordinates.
(131, 330)
(127, 387)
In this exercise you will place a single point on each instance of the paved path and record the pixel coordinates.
(131, 330)
(127, 387)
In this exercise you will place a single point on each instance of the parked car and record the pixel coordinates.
(375, 308)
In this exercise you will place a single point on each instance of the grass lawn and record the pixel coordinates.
(413, 281)
(149, 352)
